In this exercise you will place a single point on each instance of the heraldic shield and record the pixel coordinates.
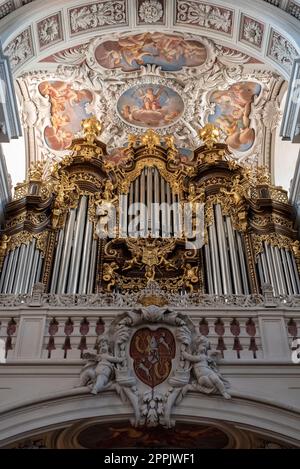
(152, 352)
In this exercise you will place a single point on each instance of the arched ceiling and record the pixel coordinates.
(35, 30)
(75, 51)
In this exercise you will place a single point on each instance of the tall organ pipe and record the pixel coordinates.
(225, 267)
(91, 279)
(271, 268)
(156, 204)
(66, 252)
(209, 271)
(57, 261)
(26, 277)
(33, 271)
(246, 289)
(149, 200)
(20, 268)
(215, 260)
(296, 273)
(85, 258)
(4, 270)
(77, 246)
(13, 270)
(286, 272)
(234, 258)
(143, 214)
(279, 271)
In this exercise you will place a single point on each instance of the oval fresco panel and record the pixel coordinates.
(232, 114)
(170, 52)
(150, 106)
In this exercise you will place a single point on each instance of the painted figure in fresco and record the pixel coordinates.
(150, 106)
(205, 371)
(233, 114)
(168, 51)
(151, 99)
(67, 111)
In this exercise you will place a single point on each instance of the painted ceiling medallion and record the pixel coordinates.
(150, 106)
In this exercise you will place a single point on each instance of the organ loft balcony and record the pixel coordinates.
(156, 268)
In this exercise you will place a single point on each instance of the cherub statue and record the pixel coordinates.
(4, 245)
(196, 196)
(106, 210)
(110, 275)
(238, 192)
(190, 277)
(100, 368)
(204, 368)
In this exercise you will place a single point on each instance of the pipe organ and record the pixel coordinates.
(93, 226)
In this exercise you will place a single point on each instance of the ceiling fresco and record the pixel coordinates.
(150, 106)
(67, 110)
(133, 82)
(232, 113)
(122, 435)
(170, 52)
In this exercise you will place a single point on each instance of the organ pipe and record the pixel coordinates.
(234, 258)
(77, 246)
(66, 252)
(86, 256)
(224, 260)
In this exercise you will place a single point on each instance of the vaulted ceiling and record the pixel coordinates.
(219, 62)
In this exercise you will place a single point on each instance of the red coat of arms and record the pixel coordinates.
(152, 353)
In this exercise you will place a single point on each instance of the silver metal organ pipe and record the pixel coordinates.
(137, 190)
(86, 254)
(39, 268)
(236, 274)
(296, 273)
(265, 268)
(156, 206)
(209, 271)
(225, 266)
(175, 214)
(91, 279)
(66, 252)
(57, 261)
(242, 263)
(24, 287)
(149, 201)
(271, 268)
(163, 206)
(33, 270)
(281, 277)
(8, 272)
(291, 270)
(169, 230)
(286, 271)
(143, 204)
(215, 260)
(4, 268)
(130, 217)
(260, 270)
(20, 267)
(13, 270)
(77, 246)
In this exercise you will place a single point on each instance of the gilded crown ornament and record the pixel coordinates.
(150, 139)
(210, 135)
(92, 128)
